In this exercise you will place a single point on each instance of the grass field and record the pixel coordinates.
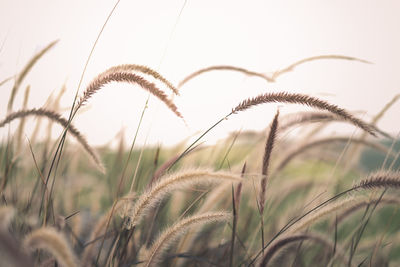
(290, 195)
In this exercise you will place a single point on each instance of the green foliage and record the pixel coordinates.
(372, 160)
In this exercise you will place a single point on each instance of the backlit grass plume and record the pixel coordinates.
(54, 116)
(266, 159)
(172, 233)
(124, 76)
(289, 98)
(6, 215)
(174, 181)
(213, 199)
(100, 227)
(145, 70)
(55, 243)
(284, 97)
(383, 179)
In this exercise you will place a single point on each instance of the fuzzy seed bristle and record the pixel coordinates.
(54, 116)
(380, 180)
(266, 159)
(284, 97)
(163, 186)
(124, 76)
(145, 70)
(53, 241)
(172, 233)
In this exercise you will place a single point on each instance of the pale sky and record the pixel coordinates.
(258, 35)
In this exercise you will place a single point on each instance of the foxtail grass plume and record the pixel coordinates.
(172, 233)
(55, 243)
(269, 145)
(52, 115)
(101, 225)
(124, 76)
(6, 215)
(384, 179)
(293, 98)
(144, 70)
(165, 185)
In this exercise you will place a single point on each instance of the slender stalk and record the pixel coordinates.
(234, 222)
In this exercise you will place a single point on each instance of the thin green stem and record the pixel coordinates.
(198, 139)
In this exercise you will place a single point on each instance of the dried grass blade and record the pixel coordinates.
(302, 61)
(223, 67)
(25, 71)
(281, 243)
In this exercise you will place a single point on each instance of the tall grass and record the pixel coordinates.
(313, 212)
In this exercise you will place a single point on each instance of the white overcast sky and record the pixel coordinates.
(258, 35)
